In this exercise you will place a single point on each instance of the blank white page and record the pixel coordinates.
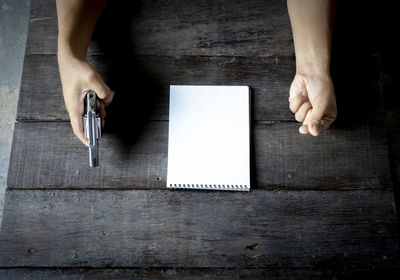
(209, 137)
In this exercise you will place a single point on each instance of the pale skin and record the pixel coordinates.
(76, 22)
(312, 98)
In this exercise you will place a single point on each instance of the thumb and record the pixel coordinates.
(103, 91)
(315, 122)
(297, 95)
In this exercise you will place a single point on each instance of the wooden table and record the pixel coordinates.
(320, 207)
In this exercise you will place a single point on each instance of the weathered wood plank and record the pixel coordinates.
(178, 27)
(48, 155)
(196, 273)
(143, 83)
(156, 23)
(161, 228)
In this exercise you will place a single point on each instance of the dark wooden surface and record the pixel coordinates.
(142, 81)
(194, 273)
(319, 207)
(159, 228)
(48, 155)
(239, 28)
(269, 78)
(159, 43)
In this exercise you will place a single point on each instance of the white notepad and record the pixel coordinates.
(209, 138)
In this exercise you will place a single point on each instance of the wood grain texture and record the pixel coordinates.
(48, 155)
(319, 207)
(223, 27)
(196, 273)
(142, 85)
(159, 43)
(160, 228)
(144, 82)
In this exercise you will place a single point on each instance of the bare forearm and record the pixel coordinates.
(76, 22)
(312, 22)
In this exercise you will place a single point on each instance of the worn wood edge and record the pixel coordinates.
(360, 229)
(195, 273)
(266, 153)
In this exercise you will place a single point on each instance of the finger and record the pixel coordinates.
(315, 122)
(297, 95)
(77, 127)
(303, 129)
(102, 110)
(313, 126)
(102, 113)
(109, 99)
(326, 122)
(307, 118)
(302, 112)
(106, 104)
(296, 100)
(103, 91)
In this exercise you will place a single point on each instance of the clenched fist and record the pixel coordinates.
(312, 99)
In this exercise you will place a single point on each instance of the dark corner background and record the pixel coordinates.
(382, 23)
(384, 36)
(365, 59)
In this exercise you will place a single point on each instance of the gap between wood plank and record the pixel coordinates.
(270, 188)
(159, 229)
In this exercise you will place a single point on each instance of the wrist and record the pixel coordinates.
(67, 51)
(66, 56)
(312, 63)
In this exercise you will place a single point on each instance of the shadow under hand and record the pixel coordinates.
(135, 88)
(354, 68)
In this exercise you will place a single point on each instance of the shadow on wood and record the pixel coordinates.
(354, 69)
(135, 87)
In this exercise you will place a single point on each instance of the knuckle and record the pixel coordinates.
(102, 94)
(299, 117)
(294, 106)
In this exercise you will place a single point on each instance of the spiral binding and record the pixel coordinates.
(209, 186)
